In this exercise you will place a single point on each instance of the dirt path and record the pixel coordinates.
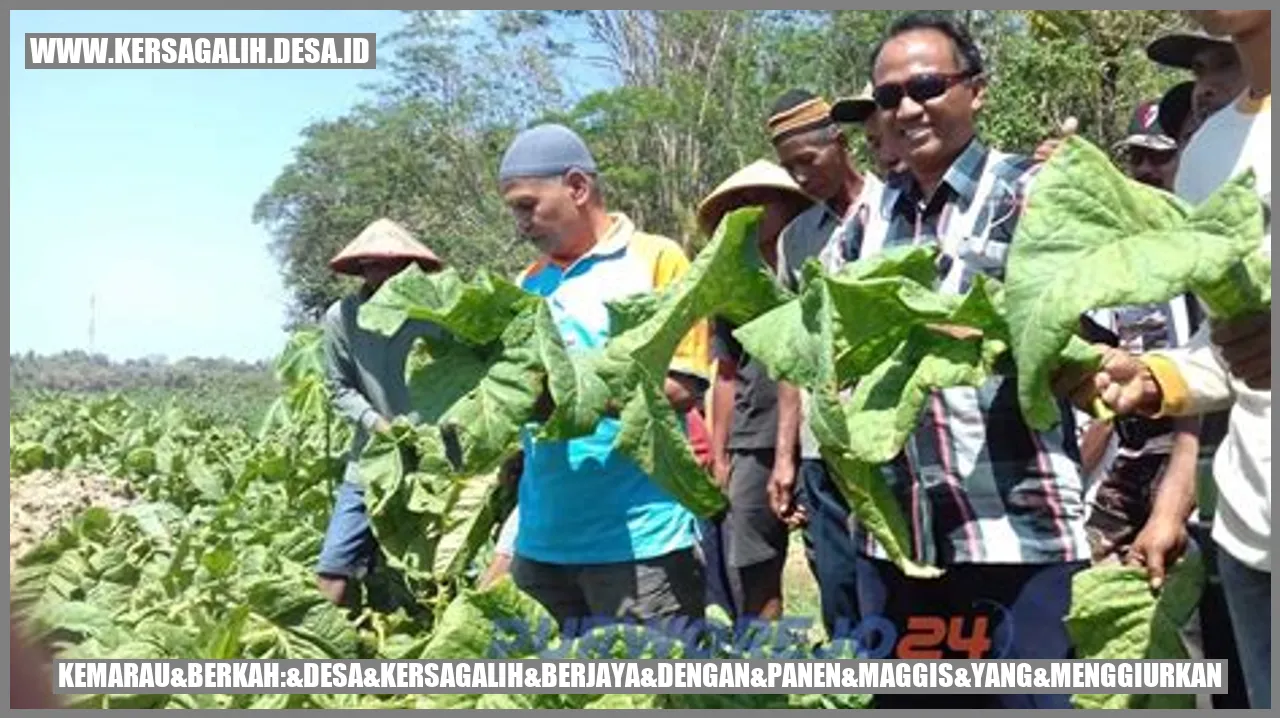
(41, 501)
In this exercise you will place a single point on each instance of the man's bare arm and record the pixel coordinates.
(1163, 538)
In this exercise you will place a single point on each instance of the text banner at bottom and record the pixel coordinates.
(388, 677)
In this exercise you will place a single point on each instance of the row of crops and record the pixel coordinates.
(213, 558)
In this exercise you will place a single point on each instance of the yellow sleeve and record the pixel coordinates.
(693, 355)
(1192, 378)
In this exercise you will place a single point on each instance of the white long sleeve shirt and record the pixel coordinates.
(1194, 378)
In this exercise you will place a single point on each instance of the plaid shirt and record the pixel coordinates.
(976, 483)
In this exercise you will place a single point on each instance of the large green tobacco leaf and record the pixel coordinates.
(1114, 616)
(874, 301)
(476, 312)
(654, 438)
(499, 622)
(468, 518)
(885, 408)
(301, 623)
(395, 498)
(440, 371)
(1092, 238)
(578, 393)
(726, 280)
(860, 482)
(486, 422)
(877, 510)
(875, 307)
(303, 357)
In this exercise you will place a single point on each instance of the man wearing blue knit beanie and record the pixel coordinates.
(597, 539)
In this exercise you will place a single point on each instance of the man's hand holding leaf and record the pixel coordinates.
(1158, 546)
(1126, 385)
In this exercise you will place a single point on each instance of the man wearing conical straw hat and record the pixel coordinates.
(365, 375)
(744, 415)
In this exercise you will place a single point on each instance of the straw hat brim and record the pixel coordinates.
(384, 240)
(759, 175)
(351, 265)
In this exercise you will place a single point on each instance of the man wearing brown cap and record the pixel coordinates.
(365, 374)
(815, 153)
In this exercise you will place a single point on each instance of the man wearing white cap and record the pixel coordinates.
(597, 539)
(365, 374)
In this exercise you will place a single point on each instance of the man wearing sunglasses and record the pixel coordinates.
(815, 153)
(996, 504)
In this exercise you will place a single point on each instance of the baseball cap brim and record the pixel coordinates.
(852, 110)
(1155, 143)
(1178, 49)
(1175, 108)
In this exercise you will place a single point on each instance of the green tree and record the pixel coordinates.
(683, 104)
(423, 152)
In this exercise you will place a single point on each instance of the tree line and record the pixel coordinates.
(679, 104)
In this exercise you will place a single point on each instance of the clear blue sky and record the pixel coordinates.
(137, 186)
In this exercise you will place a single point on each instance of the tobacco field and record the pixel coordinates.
(204, 536)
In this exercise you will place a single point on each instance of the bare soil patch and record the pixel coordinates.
(39, 502)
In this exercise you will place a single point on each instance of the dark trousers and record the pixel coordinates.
(829, 546)
(1024, 606)
(720, 588)
(1216, 630)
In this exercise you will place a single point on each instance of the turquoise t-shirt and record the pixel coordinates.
(580, 501)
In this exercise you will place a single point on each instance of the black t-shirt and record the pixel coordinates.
(755, 400)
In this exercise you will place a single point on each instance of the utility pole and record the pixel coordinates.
(93, 315)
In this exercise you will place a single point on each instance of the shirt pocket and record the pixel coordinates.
(979, 255)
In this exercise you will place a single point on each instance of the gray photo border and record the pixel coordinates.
(12, 5)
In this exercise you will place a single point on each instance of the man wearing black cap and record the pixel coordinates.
(1149, 150)
(815, 153)
(1213, 62)
(861, 110)
(1225, 366)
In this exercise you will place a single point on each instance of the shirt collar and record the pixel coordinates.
(961, 179)
(615, 239)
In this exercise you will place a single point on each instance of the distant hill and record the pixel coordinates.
(235, 390)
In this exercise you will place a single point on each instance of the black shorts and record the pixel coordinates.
(755, 534)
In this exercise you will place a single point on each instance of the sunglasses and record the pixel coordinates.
(920, 88)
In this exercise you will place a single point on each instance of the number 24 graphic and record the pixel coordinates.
(926, 634)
